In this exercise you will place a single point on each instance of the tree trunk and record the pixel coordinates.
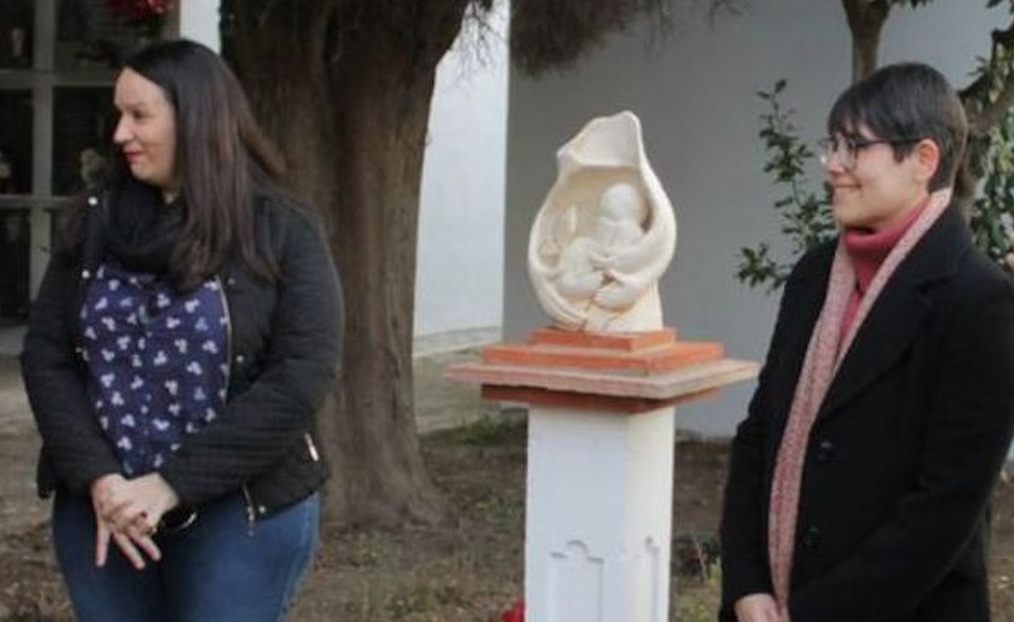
(866, 22)
(864, 54)
(381, 90)
(278, 59)
(346, 95)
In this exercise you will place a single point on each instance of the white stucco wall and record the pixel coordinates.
(459, 276)
(696, 99)
(198, 20)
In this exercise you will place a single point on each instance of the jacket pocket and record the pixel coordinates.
(300, 474)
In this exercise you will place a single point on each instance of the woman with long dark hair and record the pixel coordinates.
(186, 332)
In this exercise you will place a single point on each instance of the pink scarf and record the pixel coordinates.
(824, 354)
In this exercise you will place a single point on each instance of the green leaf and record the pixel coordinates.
(805, 219)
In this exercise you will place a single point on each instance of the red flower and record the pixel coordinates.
(515, 614)
(138, 10)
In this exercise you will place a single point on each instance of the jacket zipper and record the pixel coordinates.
(89, 258)
(228, 333)
(311, 447)
(251, 513)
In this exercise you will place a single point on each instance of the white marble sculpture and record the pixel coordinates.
(605, 233)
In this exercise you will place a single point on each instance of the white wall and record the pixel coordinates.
(696, 99)
(459, 277)
(198, 20)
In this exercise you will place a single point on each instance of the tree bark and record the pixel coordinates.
(346, 93)
(380, 91)
(278, 59)
(866, 21)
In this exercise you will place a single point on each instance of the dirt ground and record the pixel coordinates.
(467, 570)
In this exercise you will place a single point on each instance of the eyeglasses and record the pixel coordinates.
(846, 149)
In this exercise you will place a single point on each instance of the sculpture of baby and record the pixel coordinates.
(605, 233)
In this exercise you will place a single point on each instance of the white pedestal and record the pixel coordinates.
(600, 459)
(598, 515)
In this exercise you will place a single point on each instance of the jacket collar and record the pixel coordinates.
(903, 307)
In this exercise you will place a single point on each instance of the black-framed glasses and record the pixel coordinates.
(847, 148)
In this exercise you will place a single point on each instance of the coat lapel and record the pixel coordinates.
(898, 315)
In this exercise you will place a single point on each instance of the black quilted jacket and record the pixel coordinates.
(285, 346)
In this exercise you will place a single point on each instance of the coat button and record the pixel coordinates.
(811, 539)
(240, 359)
(825, 449)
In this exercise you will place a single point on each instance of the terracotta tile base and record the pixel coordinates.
(622, 372)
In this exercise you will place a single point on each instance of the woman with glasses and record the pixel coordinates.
(860, 480)
(183, 338)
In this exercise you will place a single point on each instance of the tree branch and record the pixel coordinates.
(863, 15)
(853, 13)
(547, 34)
(866, 20)
(437, 24)
(720, 8)
(983, 113)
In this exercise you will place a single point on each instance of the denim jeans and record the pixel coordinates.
(222, 567)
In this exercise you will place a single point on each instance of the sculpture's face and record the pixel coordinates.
(146, 131)
(623, 203)
(879, 188)
(621, 212)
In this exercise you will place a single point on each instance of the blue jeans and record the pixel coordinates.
(220, 568)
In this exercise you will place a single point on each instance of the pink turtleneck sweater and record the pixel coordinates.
(867, 250)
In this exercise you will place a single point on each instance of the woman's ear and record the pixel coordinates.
(927, 160)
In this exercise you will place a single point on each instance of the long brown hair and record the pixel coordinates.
(221, 157)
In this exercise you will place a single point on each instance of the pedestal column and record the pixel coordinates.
(600, 459)
(598, 515)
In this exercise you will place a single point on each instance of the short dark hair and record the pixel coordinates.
(221, 155)
(906, 101)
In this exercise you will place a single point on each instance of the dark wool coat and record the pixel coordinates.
(905, 451)
(285, 342)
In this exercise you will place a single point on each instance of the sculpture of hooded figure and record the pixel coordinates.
(605, 233)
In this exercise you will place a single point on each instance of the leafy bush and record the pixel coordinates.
(805, 214)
